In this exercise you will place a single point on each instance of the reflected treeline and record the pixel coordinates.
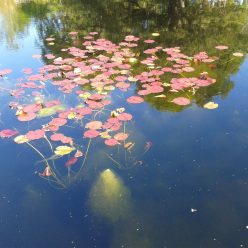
(13, 22)
(15, 17)
(194, 25)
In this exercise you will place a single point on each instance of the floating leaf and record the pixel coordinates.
(133, 60)
(71, 115)
(155, 34)
(149, 41)
(132, 79)
(21, 139)
(47, 172)
(5, 72)
(26, 116)
(32, 108)
(34, 135)
(129, 145)
(181, 101)
(50, 111)
(124, 117)
(94, 125)
(58, 122)
(111, 142)
(91, 134)
(161, 96)
(211, 105)
(121, 136)
(85, 95)
(135, 99)
(61, 137)
(221, 47)
(109, 87)
(7, 133)
(238, 54)
(78, 154)
(63, 150)
(71, 162)
(105, 135)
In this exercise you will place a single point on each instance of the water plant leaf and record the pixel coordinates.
(135, 99)
(61, 137)
(21, 139)
(181, 101)
(71, 162)
(105, 135)
(7, 133)
(221, 47)
(78, 154)
(63, 150)
(161, 96)
(129, 145)
(36, 134)
(26, 116)
(91, 133)
(5, 72)
(121, 136)
(50, 111)
(58, 122)
(94, 125)
(111, 142)
(238, 54)
(211, 105)
(47, 172)
(124, 117)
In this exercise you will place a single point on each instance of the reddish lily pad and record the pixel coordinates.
(61, 137)
(181, 101)
(36, 134)
(124, 117)
(26, 116)
(111, 142)
(94, 125)
(121, 136)
(91, 133)
(135, 99)
(58, 122)
(32, 108)
(7, 133)
(71, 162)
(5, 72)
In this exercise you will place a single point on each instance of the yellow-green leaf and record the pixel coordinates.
(21, 139)
(63, 150)
(211, 105)
(50, 111)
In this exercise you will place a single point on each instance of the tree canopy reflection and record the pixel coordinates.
(193, 25)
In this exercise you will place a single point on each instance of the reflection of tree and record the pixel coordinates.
(193, 25)
(12, 21)
(15, 16)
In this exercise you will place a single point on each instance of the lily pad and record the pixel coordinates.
(63, 150)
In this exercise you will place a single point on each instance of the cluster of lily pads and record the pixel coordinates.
(92, 76)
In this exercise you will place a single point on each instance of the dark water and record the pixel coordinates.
(190, 190)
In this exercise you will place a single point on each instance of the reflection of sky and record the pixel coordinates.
(22, 57)
(198, 160)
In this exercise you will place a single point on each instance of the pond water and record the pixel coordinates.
(180, 179)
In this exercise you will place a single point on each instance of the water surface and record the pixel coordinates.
(189, 190)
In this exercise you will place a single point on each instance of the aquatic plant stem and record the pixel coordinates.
(119, 165)
(47, 164)
(51, 147)
(85, 157)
